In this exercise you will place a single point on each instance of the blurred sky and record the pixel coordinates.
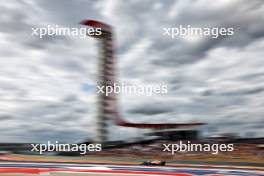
(47, 86)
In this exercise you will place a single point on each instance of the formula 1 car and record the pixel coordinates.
(154, 163)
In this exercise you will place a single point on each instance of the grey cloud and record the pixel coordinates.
(4, 117)
(151, 109)
(218, 81)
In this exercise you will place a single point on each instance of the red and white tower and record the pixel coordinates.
(107, 105)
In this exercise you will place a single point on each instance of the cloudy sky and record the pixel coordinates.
(47, 85)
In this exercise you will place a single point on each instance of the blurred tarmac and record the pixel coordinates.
(217, 160)
(33, 168)
(20, 165)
